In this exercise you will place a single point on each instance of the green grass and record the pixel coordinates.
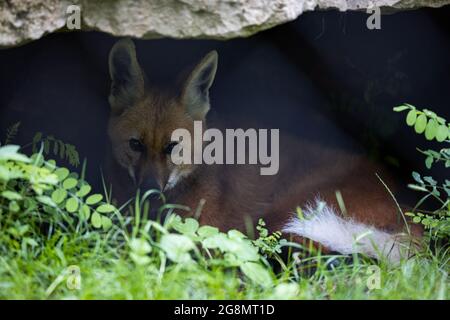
(52, 247)
(107, 272)
(112, 266)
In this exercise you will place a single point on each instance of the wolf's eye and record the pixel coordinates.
(136, 145)
(169, 147)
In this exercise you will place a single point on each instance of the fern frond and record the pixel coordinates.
(11, 132)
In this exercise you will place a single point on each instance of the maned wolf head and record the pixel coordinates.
(143, 118)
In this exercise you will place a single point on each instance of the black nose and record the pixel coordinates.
(148, 184)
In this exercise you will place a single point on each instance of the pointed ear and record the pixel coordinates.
(126, 75)
(195, 94)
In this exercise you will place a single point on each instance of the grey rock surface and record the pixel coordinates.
(26, 20)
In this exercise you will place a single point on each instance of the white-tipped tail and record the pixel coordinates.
(321, 224)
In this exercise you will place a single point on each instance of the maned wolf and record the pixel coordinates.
(140, 128)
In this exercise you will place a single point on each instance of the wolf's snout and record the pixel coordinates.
(149, 183)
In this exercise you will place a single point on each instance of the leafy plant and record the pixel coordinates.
(433, 127)
(269, 244)
(11, 132)
(213, 248)
(426, 122)
(37, 198)
(56, 147)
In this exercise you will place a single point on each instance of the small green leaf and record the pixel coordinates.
(70, 183)
(235, 234)
(429, 113)
(416, 176)
(430, 180)
(4, 174)
(417, 188)
(217, 241)
(431, 129)
(401, 108)
(10, 152)
(46, 200)
(72, 205)
(442, 133)
(11, 195)
(411, 118)
(38, 159)
(59, 195)
(84, 190)
(207, 231)
(257, 273)
(188, 227)
(421, 124)
(85, 212)
(93, 199)
(429, 162)
(50, 164)
(177, 247)
(106, 223)
(440, 120)
(46, 146)
(106, 208)
(96, 220)
(140, 246)
(61, 173)
(140, 260)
